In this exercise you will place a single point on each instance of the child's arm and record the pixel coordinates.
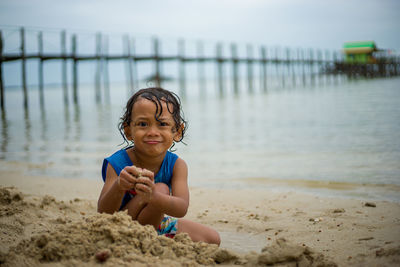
(115, 187)
(177, 204)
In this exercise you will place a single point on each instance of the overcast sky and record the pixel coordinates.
(323, 24)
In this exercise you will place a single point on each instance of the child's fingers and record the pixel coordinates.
(139, 187)
(148, 174)
(144, 184)
(127, 176)
(126, 181)
(135, 171)
(145, 180)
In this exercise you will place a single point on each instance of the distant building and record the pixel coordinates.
(360, 52)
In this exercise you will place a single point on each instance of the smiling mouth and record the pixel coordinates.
(152, 142)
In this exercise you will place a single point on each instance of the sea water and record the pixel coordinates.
(332, 134)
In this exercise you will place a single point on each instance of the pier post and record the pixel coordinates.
(23, 65)
(280, 65)
(264, 68)
(129, 68)
(64, 66)
(98, 68)
(106, 80)
(41, 76)
(220, 68)
(1, 74)
(250, 68)
(275, 61)
(327, 64)
(298, 63)
(156, 48)
(319, 65)
(235, 71)
(182, 74)
(75, 69)
(303, 66)
(311, 60)
(335, 66)
(293, 63)
(287, 61)
(393, 66)
(200, 66)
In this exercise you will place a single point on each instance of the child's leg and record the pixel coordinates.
(148, 213)
(151, 214)
(198, 232)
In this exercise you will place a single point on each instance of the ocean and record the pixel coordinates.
(334, 136)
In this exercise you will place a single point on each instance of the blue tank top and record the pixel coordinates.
(120, 159)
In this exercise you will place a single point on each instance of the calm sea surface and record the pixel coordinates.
(339, 132)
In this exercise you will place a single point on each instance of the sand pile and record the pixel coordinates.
(43, 230)
(115, 238)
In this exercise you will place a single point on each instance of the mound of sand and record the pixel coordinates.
(43, 230)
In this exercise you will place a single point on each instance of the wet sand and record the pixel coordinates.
(44, 218)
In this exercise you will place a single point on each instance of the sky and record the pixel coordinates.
(293, 23)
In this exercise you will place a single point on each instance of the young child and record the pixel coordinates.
(146, 178)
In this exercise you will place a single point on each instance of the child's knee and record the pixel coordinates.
(161, 188)
(214, 238)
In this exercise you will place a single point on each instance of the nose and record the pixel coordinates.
(153, 131)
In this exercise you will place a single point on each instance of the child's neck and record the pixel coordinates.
(150, 163)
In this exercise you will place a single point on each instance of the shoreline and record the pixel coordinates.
(321, 188)
(346, 190)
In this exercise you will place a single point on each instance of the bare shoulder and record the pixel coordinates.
(110, 178)
(180, 167)
(111, 174)
(179, 179)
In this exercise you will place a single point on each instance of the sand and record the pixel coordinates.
(50, 220)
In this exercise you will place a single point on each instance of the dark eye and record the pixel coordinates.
(141, 124)
(164, 124)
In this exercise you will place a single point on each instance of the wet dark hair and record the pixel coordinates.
(155, 95)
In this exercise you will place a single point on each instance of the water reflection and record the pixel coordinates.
(4, 132)
(77, 122)
(28, 133)
(104, 122)
(67, 120)
(75, 145)
(43, 129)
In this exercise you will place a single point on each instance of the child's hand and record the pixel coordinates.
(145, 185)
(128, 177)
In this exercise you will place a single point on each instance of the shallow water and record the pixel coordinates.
(345, 131)
(242, 242)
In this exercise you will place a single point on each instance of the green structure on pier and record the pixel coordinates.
(360, 52)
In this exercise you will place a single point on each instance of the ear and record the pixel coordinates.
(127, 132)
(178, 133)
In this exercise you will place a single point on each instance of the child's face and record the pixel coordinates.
(151, 137)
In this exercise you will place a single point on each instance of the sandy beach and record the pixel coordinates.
(54, 220)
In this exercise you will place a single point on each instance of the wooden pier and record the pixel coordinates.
(325, 62)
